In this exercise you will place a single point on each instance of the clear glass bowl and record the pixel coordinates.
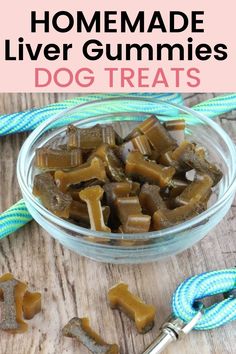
(124, 114)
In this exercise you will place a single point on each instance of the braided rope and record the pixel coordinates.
(201, 286)
(29, 120)
(14, 218)
(217, 105)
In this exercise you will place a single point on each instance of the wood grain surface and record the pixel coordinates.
(74, 286)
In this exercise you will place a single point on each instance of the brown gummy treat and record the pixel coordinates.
(52, 198)
(12, 292)
(74, 191)
(79, 328)
(88, 171)
(196, 191)
(106, 211)
(79, 211)
(140, 143)
(47, 158)
(189, 154)
(165, 218)
(156, 133)
(148, 171)
(92, 197)
(177, 186)
(127, 206)
(150, 199)
(72, 136)
(115, 190)
(130, 214)
(91, 138)
(136, 223)
(155, 155)
(176, 129)
(114, 167)
(135, 189)
(133, 134)
(31, 304)
(122, 299)
(180, 150)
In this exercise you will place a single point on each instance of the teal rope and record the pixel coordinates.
(217, 105)
(29, 120)
(24, 121)
(14, 218)
(200, 286)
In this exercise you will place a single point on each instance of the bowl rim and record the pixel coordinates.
(193, 222)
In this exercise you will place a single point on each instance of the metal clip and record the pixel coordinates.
(171, 331)
(231, 293)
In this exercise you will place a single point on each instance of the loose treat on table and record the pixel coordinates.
(17, 304)
(122, 299)
(80, 329)
(151, 179)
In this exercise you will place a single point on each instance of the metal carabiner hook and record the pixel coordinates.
(172, 330)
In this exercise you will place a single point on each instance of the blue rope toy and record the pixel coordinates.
(188, 311)
(201, 286)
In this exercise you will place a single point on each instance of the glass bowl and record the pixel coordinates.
(124, 114)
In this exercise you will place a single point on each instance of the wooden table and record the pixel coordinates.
(74, 286)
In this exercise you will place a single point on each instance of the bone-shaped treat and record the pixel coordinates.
(79, 212)
(92, 197)
(115, 190)
(136, 223)
(94, 169)
(176, 129)
(139, 143)
(149, 171)
(188, 154)
(156, 133)
(91, 138)
(164, 218)
(31, 304)
(80, 329)
(177, 186)
(47, 158)
(195, 158)
(114, 167)
(74, 192)
(143, 315)
(52, 198)
(196, 191)
(131, 217)
(150, 199)
(11, 308)
(16, 303)
(72, 136)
